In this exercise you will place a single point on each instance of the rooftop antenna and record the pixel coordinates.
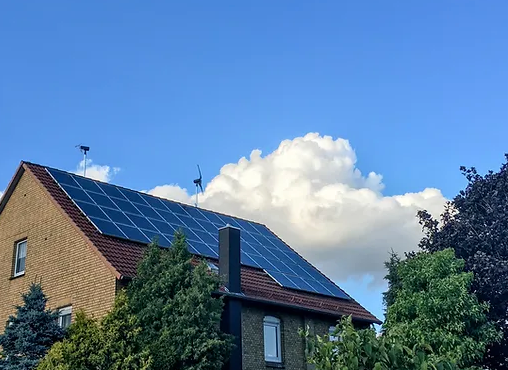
(84, 149)
(199, 185)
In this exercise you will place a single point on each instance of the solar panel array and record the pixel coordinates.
(136, 216)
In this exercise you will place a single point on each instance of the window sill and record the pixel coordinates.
(274, 365)
(17, 276)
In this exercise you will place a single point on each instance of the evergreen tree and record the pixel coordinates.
(112, 344)
(30, 333)
(172, 299)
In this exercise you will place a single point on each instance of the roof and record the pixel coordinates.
(122, 257)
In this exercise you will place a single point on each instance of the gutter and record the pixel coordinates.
(243, 297)
(292, 306)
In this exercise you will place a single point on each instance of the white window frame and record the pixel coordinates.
(331, 336)
(64, 311)
(17, 258)
(273, 322)
(213, 267)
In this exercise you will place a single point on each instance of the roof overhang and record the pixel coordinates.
(335, 315)
(12, 185)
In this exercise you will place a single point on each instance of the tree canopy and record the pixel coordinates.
(432, 304)
(364, 350)
(173, 302)
(475, 226)
(30, 333)
(168, 318)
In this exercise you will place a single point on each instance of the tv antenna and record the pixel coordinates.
(84, 149)
(199, 185)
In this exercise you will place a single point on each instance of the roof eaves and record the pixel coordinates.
(326, 312)
(12, 185)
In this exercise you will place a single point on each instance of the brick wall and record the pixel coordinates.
(70, 271)
(292, 345)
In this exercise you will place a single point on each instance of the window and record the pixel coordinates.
(19, 263)
(64, 316)
(271, 326)
(213, 267)
(331, 334)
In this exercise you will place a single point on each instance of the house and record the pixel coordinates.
(82, 239)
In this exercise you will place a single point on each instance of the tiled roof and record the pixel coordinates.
(122, 256)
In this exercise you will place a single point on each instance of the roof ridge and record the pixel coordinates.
(141, 192)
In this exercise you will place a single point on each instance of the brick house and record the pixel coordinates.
(46, 236)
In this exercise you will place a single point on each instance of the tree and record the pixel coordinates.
(172, 300)
(30, 333)
(392, 278)
(433, 305)
(475, 226)
(363, 350)
(112, 344)
(79, 350)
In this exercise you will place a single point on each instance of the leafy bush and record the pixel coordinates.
(432, 303)
(364, 350)
(112, 344)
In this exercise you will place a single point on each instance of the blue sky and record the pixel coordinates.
(155, 87)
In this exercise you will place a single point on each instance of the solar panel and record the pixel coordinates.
(140, 217)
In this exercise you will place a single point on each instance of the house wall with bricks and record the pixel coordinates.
(292, 345)
(73, 273)
(58, 255)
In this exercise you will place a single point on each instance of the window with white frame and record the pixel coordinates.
(64, 316)
(213, 267)
(271, 327)
(331, 334)
(19, 263)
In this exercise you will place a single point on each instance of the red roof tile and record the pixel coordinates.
(123, 256)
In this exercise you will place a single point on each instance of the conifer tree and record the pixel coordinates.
(30, 333)
(180, 317)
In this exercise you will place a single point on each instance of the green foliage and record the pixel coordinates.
(30, 333)
(112, 344)
(433, 305)
(79, 350)
(363, 350)
(392, 278)
(173, 302)
(475, 225)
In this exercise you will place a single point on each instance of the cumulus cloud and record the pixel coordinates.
(171, 191)
(95, 171)
(310, 193)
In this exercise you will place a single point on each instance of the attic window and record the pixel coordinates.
(19, 263)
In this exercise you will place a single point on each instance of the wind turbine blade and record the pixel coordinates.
(199, 170)
(201, 187)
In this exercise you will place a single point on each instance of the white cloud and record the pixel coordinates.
(310, 193)
(96, 172)
(172, 191)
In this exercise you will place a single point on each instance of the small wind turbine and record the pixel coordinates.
(84, 149)
(199, 185)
